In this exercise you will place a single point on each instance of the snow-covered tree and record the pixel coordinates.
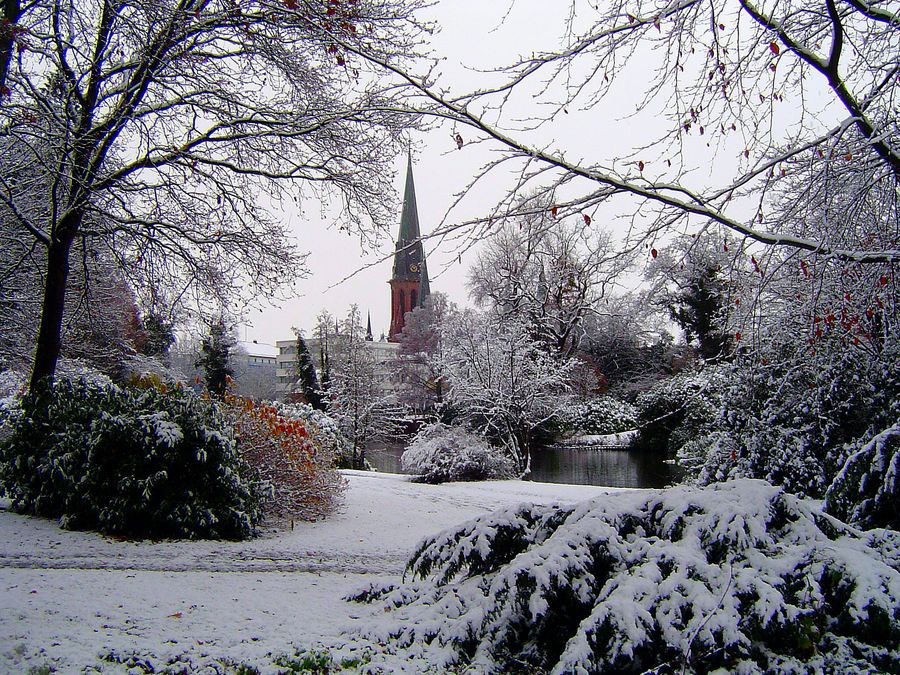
(101, 323)
(326, 329)
(505, 382)
(354, 398)
(628, 344)
(548, 273)
(215, 358)
(156, 126)
(697, 280)
(419, 366)
(307, 381)
(729, 99)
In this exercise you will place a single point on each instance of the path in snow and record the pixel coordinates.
(68, 596)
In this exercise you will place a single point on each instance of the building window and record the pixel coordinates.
(413, 296)
(402, 297)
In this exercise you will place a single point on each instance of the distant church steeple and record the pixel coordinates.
(409, 283)
(369, 327)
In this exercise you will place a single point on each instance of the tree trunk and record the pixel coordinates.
(11, 12)
(49, 339)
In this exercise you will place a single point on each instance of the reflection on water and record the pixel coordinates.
(609, 468)
(385, 456)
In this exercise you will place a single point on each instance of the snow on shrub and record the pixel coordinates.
(797, 421)
(679, 408)
(136, 462)
(867, 489)
(441, 453)
(295, 465)
(740, 576)
(599, 416)
(323, 430)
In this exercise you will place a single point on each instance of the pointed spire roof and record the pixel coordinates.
(409, 220)
(368, 326)
(409, 259)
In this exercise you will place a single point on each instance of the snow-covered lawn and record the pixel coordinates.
(68, 598)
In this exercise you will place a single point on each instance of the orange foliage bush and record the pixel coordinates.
(303, 483)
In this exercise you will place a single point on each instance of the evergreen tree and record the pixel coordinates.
(306, 375)
(215, 352)
(159, 335)
(323, 326)
(698, 309)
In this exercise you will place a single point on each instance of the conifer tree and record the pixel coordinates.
(306, 375)
(159, 335)
(215, 354)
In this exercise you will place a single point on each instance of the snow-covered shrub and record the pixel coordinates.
(795, 420)
(599, 416)
(441, 453)
(678, 408)
(286, 452)
(740, 576)
(867, 489)
(140, 462)
(322, 428)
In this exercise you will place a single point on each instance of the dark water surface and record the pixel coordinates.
(609, 468)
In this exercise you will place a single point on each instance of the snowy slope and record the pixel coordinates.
(68, 597)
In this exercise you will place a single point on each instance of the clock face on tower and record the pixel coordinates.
(413, 267)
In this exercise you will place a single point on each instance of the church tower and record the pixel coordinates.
(409, 283)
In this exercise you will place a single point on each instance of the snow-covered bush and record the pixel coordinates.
(441, 453)
(139, 462)
(599, 416)
(288, 454)
(867, 489)
(795, 420)
(740, 576)
(323, 430)
(678, 408)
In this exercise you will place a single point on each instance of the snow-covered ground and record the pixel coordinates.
(70, 599)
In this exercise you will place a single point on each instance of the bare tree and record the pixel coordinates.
(503, 380)
(746, 92)
(550, 274)
(420, 359)
(354, 399)
(163, 126)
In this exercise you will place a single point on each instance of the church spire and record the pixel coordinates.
(409, 282)
(369, 327)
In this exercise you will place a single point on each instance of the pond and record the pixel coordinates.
(609, 468)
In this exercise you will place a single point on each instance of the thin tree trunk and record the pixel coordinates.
(11, 12)
(49, 340)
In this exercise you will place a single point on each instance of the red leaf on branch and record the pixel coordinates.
(640, 166)
(553, 211)
(883, 280)
(653, 252)
(459, 142)
(587, 219)
(773, 46)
